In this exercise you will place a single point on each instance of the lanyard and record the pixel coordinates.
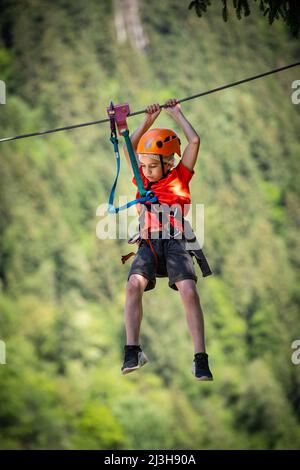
(117, 116)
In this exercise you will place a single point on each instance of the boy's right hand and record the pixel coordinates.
(152, 112)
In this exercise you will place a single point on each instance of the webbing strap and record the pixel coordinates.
(134, 165)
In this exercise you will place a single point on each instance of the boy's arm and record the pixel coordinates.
(190, 153)
(151, 114)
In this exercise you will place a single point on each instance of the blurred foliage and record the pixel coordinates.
(285, 10)
(63, 289)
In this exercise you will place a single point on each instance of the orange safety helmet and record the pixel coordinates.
(159, 141)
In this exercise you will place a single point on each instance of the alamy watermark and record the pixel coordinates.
(165, 221)
(296, 354)
(2, 92)
(2, 352)
(296, 94)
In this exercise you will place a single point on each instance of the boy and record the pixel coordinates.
(158, 257)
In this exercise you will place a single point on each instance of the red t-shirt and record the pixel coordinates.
(171, 190)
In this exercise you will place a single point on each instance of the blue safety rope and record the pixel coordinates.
(148, 197)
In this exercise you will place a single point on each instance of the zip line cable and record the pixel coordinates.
(214, 90)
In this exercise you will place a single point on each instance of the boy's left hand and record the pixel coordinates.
(172, 107)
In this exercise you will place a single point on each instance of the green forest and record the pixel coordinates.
(62, 289)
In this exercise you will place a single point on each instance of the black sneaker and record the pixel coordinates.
(201, 368)
(134, 358)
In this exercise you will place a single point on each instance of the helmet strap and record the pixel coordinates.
(162, 165)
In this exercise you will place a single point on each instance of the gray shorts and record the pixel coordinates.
(174, 262)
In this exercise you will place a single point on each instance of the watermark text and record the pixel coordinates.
(2, 92)
(154, 221)
(2, 352)
(296, 94)
(296, 354)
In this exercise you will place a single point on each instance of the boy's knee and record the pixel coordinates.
(188, 289)
(136, 284)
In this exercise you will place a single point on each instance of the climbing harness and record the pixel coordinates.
(192, 247)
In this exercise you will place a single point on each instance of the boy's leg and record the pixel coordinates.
(134, 357)
(134, 308)
(194, 314)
